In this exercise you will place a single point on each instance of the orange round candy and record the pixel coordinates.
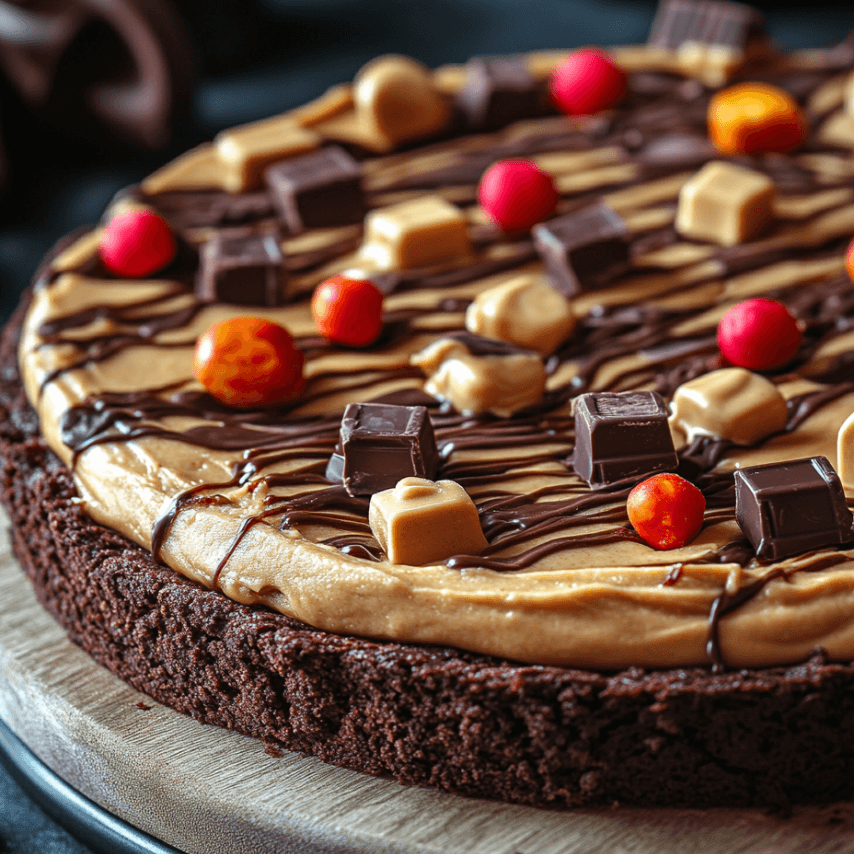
(248, 361)
(752, 118)
(666, 510)
(849, 260)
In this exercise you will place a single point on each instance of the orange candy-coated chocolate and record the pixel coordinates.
(849, 260)
(752, 118)
(666, 510)
(249, 361)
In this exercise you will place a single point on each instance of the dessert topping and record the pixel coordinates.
(791, 507)
(666, 510)
(348, 311)
(137, 243)
(726, 204)
(395, 95)
(620, 435)
(588, 81)
(242, 269)
(517, 194)
(380, 444)
(753, 118)
(245, 152)
(759, 334)
(427, 230)
(710, 39)
(248, 361)
(315, 190)
(498, 90)
(420, 522)
(477, 374)
(523, 311)
(580, 248)
(732, 403)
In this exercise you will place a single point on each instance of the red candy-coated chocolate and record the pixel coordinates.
(666, 510)
(759, 334)
(249, 361)
(588, 81)
(136, 243)
(849, 260)
(348, 311)
(517, 194)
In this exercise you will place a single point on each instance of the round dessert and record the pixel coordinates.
(547, 507)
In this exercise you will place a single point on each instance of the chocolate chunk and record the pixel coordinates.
(380, 444)
(792, 507)
(620, 435)
(579, 248)
(708, 22)
(242, 269)
(318, 189)
(499, 90)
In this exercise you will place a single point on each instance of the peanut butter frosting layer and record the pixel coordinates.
(239, 501)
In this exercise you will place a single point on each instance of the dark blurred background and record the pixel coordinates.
(252, 58)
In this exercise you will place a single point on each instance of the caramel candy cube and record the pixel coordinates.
(523, 311)
(421, 522)
(245, 152)
(845, 452)
(725, 204)
(418, 233)
(731, 403)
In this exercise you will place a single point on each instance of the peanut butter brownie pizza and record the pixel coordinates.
(488, 427)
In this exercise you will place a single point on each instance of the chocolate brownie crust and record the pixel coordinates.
(461, 722)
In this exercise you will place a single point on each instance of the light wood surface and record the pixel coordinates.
(208, 791)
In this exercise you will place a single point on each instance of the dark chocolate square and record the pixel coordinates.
(499, 90)
(792, 507)
(380, 444)
(620, 435)
(315, 190)
(710, 22)
(242, 268)
(577, 249)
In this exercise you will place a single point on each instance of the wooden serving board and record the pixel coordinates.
(208, 791)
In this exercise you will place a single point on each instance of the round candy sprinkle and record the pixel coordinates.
(249, 361)
(588, 81)
(517, 194)
(849, 260)
(136, 243)
(348, 311)
(666, 510)
(759, 334)
(751, 118)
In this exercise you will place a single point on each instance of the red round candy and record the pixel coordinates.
(849, 260)
(249, 361)
(137, 243)
(759, 334)
(517, 194)
(666, 510)
(348, 311)
(586, 82)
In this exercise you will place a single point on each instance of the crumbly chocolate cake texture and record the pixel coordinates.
(478, 724)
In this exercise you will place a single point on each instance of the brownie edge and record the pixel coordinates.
(432, 716)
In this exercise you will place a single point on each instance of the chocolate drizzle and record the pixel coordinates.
(660, 132)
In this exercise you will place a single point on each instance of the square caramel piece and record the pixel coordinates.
(421, 522)
(725, 204)
(245, 152)
(416, 233)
